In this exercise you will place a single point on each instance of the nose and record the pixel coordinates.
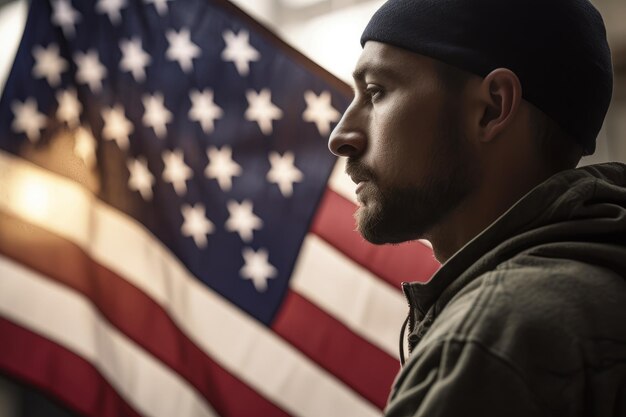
(348, 138)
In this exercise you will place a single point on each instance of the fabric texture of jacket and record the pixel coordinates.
(528, 318)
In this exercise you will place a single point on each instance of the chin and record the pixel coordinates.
(375, 237)
(380, 230)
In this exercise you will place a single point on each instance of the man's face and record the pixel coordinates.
(404, 141)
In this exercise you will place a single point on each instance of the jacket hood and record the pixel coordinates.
(578, 214)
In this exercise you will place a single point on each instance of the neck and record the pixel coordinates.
(481, 209)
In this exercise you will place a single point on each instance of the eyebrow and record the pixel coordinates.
(377, 69)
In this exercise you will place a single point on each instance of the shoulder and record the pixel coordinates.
(544, 291)
(533, 327)
(541, 310)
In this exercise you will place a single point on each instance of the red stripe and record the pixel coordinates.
(134, 313)
(334, 222)
(59, 373)
(360, 365)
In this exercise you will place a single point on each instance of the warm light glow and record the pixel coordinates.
(31, 197)
(42, 198)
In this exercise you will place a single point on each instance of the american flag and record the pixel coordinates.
(175, 237)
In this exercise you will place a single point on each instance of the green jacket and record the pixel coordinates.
(529, 318)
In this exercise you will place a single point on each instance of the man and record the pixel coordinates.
(468, 120)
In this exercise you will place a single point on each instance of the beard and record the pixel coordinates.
(394, 214)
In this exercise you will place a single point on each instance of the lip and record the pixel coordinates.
(359, 186)
(358, 179)
(359, 175)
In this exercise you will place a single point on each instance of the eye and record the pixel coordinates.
(373, 92)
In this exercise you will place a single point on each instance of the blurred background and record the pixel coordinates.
(328, 31)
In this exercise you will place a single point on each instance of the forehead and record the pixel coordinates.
(383, 59)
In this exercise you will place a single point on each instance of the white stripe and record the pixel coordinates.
(361, 301)
(232, 338)
(67, 318)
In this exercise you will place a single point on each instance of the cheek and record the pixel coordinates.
(398, 164)
(402, 147)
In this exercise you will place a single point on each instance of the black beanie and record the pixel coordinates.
(557, 48)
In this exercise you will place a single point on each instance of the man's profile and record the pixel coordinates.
(468, 122)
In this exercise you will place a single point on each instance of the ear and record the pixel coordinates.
(501, 94)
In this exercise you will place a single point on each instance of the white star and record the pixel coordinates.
(85, 146)
(320, 111)
(116, 126)
(49, 64)
(64, 15)
(196, 224)
(242, 220)
(112, 9)
(69, 107)
(204, 109)
(222, 167)
(257, 268)
(141, 179)
(283, 172)
(134, 59)
(181, 49)
(239, 51)
(28, 119)
(90, 70)
(161, 5)
(176, 171)
(156, 115)
(262, 110)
